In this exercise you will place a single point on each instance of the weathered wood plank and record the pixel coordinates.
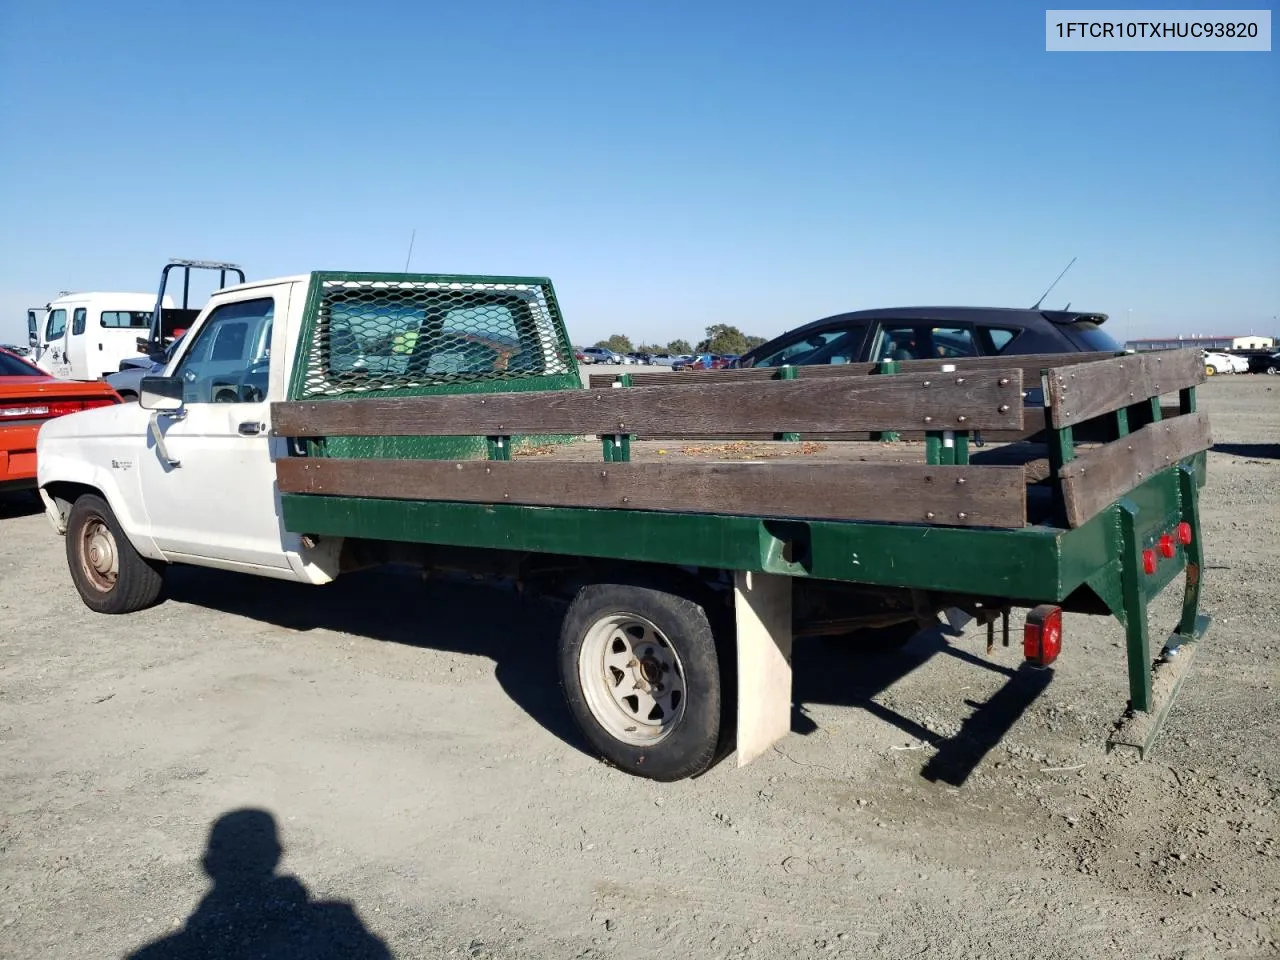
(895, 493)
(963, 401)
(1077, 393)
(1099, 477)
(1030, 364)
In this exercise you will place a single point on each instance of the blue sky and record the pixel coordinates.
(669, 165)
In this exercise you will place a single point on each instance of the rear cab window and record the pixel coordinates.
(374, 337)
(126, 319)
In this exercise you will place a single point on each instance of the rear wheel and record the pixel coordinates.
(110, 575)
(1209, 370)
(641, 675)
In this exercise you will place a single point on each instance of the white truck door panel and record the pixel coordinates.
(215, 498)
(52, 355)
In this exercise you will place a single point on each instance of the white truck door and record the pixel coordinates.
(52, 354)
(213, 501)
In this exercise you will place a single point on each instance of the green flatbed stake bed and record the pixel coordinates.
(412, 402)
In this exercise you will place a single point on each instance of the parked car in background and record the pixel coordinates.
(925, 333)
(1215, 363)
(664, 359)
(1265, 363)
(600, 355)
(126, 382)
(645, 359)
(581, 356)
(29, 397)
(703, 361)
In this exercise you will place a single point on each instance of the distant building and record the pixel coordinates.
(1249, 342)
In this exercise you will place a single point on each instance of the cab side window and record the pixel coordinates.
(56, 326)
(229, 359)
(77, 321)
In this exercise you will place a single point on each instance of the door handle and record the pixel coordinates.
(250, 429)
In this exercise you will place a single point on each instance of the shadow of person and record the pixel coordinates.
(253, 912)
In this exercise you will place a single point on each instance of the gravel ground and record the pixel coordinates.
(426, 810)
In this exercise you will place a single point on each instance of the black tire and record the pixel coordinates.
(691, 743)
(135, 583)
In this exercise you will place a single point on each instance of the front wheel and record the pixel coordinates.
(641, 675)
(110, 575)
(1209, 371)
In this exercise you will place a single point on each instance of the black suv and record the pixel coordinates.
(927, 333)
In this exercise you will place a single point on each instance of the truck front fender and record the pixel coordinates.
(63, 479)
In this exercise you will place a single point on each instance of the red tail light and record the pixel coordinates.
(1166, 546)
(1042, 635)
(1149, 561)
(1184, 533)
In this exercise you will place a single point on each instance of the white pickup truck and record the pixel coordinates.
(311, 425)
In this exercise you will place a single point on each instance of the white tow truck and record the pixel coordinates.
(85, 336)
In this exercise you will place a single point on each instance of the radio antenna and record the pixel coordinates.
(410, 254)
(1036, 305)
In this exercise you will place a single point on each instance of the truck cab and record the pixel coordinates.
(85, 336)
(189, 472)
(194, 482)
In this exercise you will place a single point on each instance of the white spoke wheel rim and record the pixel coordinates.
(632, 679)
(99, 557)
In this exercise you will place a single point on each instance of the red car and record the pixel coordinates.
(29, 397)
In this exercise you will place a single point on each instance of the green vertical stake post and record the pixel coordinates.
(787, 372)
(887, 366)
(617, 447)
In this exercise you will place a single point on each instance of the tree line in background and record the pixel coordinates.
(721, 338)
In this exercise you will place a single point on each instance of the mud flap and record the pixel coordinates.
(762, 610)
(1137, 729)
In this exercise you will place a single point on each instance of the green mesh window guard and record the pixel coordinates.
(372, 333)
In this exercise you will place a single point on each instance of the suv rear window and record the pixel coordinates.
(1088, 336)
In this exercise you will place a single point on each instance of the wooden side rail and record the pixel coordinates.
(1077, 393)
(1030, 364)
(979, 400)
(1094, 479)
(962, 496)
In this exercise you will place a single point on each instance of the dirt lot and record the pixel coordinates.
(459, 816)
